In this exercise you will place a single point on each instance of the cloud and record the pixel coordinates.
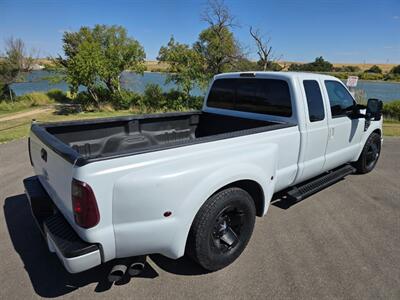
(396, 17)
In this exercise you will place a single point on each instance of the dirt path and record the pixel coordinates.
(25, 114)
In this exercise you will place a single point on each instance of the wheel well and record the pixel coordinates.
(378, 131)
(255, 191)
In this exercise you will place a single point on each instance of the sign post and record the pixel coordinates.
(351, 84)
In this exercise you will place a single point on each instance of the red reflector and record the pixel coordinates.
(84, 204)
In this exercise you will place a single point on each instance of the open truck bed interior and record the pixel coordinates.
(137, 134)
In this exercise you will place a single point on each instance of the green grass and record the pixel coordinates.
(391, 128)
(32, 100)
(19, 128)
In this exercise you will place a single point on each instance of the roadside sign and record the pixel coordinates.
(352, 81)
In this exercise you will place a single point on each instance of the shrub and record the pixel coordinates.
(126, 99)
(153, 97)
(395, 70)
(58, 96)
(319, 65)
(371, 76)
(374, 69)
(36, 99)
(5, 92)
(391, 110)
(351, 69)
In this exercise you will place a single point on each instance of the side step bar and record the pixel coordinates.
(301, 191)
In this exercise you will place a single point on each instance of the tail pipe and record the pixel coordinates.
(116, 273)
(136, 268)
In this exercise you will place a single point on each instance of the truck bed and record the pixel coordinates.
(104, 138)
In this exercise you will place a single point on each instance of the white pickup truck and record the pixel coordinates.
(193, 182)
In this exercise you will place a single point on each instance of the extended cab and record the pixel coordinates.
(194, 181)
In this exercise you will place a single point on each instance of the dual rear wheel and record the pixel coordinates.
(222, 228)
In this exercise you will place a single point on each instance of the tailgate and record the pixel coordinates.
(55, 174)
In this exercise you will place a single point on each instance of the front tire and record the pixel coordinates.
(221, 229)
(369, 155)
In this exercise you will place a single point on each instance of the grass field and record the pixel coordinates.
(391, 128)
(18, 128)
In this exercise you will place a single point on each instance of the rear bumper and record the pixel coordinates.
(75, 254)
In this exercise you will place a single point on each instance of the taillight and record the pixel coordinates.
(84, 204)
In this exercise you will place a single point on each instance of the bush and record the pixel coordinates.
(319, 65)
(395, 70)
(374, 69)
(153, 97)
(391, 110)
(58, 96)
(350, 69)
(126, 99)
(371, 76)
(5, 92)
(392, 77)
(35, 98)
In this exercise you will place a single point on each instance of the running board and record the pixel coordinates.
(301, 191)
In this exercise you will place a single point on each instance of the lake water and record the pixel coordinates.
(36, 81)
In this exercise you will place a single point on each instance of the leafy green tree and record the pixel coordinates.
(185, 65)
(217, 44)
(16, 62)
(97, 56)
(219, 49)
(374, 69)
(319, 65)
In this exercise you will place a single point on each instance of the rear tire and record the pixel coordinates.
(221, 229)
(369, 155)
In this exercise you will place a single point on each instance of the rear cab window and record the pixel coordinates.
(315, 103)
(255, 95)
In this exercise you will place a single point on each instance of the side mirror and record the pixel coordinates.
(374, 109)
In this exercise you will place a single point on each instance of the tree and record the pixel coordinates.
(216, 43)
(319, 65)
(185, 65)
(374, 69)
(95, 56)
(264, 50)
(16, 61)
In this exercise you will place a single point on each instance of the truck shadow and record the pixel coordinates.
(49, 278)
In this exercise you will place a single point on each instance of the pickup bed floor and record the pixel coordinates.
(115, 136)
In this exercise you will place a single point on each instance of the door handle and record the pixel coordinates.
(43, 154)
(331, 132)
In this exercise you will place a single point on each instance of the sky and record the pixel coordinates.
(356, 31)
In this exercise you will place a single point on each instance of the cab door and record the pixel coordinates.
(317, 128)
(345, 133)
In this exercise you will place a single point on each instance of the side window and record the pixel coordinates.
(339, 98)
(315, 102)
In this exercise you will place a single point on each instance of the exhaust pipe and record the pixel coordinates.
(136, 268)
(116, 273)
